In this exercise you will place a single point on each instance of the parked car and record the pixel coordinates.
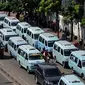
(70, 80)
(47, 74)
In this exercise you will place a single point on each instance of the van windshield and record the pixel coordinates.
(50, 43)
(8, 36)
(67, 52)
(14, 23)
(83, 63)
(35, 57)
(36, 36)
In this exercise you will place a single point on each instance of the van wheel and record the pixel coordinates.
(72, 70)
(20, 64)
(82, 75)
(28, 70)
(63, 64)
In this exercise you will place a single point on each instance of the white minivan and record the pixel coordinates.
(21, 29)
(32, 35)
(61, 51)
(77, 62)
(5, 34)
(28, 57)
(46, 40)
(11, 22)
(70, 79)
(2, 16)
(13, 44)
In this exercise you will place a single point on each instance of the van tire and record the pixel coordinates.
(28, 70)
(82, 75)
(20, 64)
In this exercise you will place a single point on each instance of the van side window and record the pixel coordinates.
(26, 57)
(76, 60)
(55, 47)
(58, 49)
(32, 35)
(12, 44)
(15, 47)
(40, 39)
(61, 51)
(79, 64)
(19, 51)
(28, 32)
(62, 83)
(72, 57)
(22, 30)
(46, 43)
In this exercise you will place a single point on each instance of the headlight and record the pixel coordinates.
(49, 83)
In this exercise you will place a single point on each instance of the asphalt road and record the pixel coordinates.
(4, 80)
(19, 75)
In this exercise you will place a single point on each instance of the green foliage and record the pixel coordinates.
(49, 5)
(83, 22)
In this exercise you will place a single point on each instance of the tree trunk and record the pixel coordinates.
(78, 31)
(71, 29)
(57, 24)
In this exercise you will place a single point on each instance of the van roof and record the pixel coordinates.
(49, 36)
(7, 31)
(14, 19)
(24, 24)
(65, 44)
(72, 79)
(3, 15)
(18, 40)
(35, 30)
(29, 49)
(80, 54)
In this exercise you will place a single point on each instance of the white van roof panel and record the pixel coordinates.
(18, 40)
(49, 36)
(65, 44)
(24, 24)
(73, 80)
(12, 19)
(29, 49)
(80, 54)
(8, 31)
(35, 30)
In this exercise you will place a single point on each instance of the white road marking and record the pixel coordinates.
(23, 81)
(2, 64)
(7, 77)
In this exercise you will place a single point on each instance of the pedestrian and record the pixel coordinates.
(18, 15)
(81, 44)
(75, 42)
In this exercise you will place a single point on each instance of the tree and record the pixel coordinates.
(75, 12)
(47, 6)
